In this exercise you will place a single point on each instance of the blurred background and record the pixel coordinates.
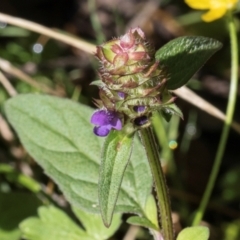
(55, 68)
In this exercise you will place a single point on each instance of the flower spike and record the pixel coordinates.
(132, 84)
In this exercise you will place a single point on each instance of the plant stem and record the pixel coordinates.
(163, 200)
(229, 117)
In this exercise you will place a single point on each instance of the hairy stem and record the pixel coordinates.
(163, 200)
(229, 117)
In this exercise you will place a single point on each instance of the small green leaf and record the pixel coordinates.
(150, 218)
(184, 56)
(94, 226)
(169, 110)
(196, 233)
(52, 224)
(98, 83)
(116, 153)
(14, 207)
(58, 134)
(142, 221)
(151, 211)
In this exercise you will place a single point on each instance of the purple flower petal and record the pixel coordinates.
(100, 118)
(101, 131)
(121, 95)
(139, 109)
(105, 121)
(116, 123)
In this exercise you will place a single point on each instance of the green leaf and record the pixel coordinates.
(137, 182)
(169, 110)
(196, 233)
(184, 56)
(58, 134)
(52, 224)
(14, 207)
(142, 221)
(151, 211)
(150, 219)
(116, 153)
(94, 226)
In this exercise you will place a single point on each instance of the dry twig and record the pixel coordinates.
(5, 130)
(191, 97)
(7, 67)
(7, 85)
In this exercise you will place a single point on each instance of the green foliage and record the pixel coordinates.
(15, 52)
(151, 211)
(116, 153)
(94, 226)
(13, 176)
(11, 31)
(71, 154)
(196, 233)
(183, 57)
(52, 224)
(232, 230)
(170, 110)
(57, 133)
(14, 207)
(150, 218)
(142, 221)
(230, 185)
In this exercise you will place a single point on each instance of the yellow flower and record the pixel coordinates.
(217, 8)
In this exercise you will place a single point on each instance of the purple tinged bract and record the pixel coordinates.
(121, 95)
(105, 121)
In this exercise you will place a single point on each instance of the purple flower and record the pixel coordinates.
(139, 109)
(105, 120)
